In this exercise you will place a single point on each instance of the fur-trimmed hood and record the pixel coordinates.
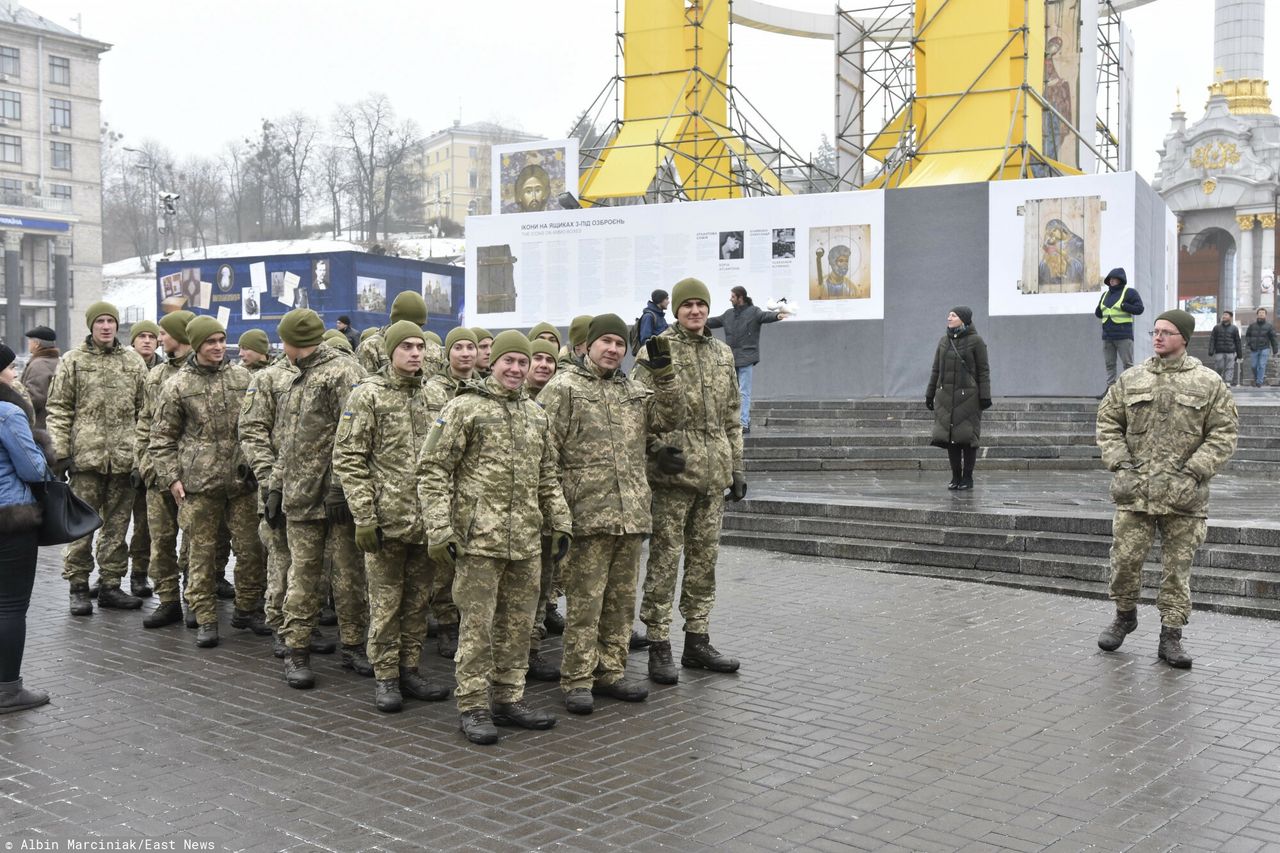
(8, 395)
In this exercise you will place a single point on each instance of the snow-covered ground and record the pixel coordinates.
(127, 285)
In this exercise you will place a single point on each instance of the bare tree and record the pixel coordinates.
(200, 183)
(378, 146)
(235, 167)
(334, 182)
(297, 134)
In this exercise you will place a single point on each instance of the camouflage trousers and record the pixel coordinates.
(112, 496)
(140, 537)
(276, 543)
(398, 578)
(443, 607)
(495, 599)
(599, 576)
(303, 587)
(546, 594)
(1133, 533)
(201, 517)
(166, 560)
(683, 521)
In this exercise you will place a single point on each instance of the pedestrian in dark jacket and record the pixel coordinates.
(353, 337)
(1261, 340)
(22, 463)
(1224, 346)
(1116, 309)
(959, 392)
(41, 365)
(653, 320)
(741, 324)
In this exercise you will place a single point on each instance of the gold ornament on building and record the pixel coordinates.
(1246, 220)
(1209, 186)
(1267, 220)
(1215, 155)
(1247, 96)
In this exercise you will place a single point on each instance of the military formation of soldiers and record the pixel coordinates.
(457, 486)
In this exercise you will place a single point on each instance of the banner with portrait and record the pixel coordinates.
(530, 177)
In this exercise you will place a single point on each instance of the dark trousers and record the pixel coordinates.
(17, 574)
(962, 455)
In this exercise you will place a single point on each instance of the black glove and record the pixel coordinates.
(560, 544)
(336, 510)
(135, 480)
(928, 403)
(272, 509)
(670, 460)
(62, 468)
(738, 490)
(984, 403)
(659, 350)
(245, 474)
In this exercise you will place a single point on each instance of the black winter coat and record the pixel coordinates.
(959, 382)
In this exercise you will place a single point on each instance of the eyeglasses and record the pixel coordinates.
(1163, 333)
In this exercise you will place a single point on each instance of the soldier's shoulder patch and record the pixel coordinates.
(348, 415)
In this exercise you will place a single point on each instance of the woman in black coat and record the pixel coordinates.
(959, 392)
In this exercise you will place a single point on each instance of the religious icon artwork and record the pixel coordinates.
(1061, 244)
(840, 262)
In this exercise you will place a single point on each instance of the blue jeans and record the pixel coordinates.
(1260, 358)
(744, 390)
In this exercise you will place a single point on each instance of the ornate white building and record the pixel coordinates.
(1221, 174)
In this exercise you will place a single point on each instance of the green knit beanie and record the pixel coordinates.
(461, 333)
(545, 327)
(201, 328)
(256, 340)
(607, 324)
(301, 327)
(97, 309)
(175, 325)
(1182, 321)
(578, 329)
(434, 338)
(337, 340)
(399, 332)
(543, 346)
(143, 326)
(480, 334)
(410, 306)
(689, 288)
(368, 333)
(509, 341)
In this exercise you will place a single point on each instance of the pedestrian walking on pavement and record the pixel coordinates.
(1261, 340)
(42, 363)
(1224, 346)
(741, 324)
(959, 392)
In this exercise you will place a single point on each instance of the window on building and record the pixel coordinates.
(10, 62)
(60, 112)
(10, 148)
(473, 152)
(61, 152)
(10, 191)
(60, 70)
(60, 191)
(473, 180)
(11, 106)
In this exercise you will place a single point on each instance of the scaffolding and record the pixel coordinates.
(1107, 136)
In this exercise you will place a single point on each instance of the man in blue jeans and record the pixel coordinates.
(741, 325)
(1260, 337)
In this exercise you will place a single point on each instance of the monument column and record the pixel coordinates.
(1268, 223)
(1244, 261)
(13, 286)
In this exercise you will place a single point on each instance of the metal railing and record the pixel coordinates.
(35, 202)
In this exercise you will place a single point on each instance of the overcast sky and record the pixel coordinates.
(196, 75)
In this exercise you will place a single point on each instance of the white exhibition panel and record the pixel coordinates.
(608, 260)
(1106, 244)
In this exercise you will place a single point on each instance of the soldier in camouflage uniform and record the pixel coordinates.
(259, 440)
(484, 354)
(144, 338)
(542, 366)
(460, 352)
(339, 341)
(408, 305)
(487, 484)
(544, 331)
(688, 506)
(198, 459)
(94, 401)
(576, 348)
(1165, 428)
(255, 350)
(311, 498)
(602, 424)
(383, 426)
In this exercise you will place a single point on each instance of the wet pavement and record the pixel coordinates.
(872, 712)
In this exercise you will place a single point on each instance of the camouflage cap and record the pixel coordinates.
(542, 345)
(201, 328)
(507, 342)
(543, 328)
(607, 324)
(689, 288)
(301, 327)
(399, 332)
(175, 325)
(461, 333)
(256, 340)
(98, 309)
(410, 306)
(143, 326)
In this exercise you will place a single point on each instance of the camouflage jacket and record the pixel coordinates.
(1165, 428)
(259, 438)
(600, 428)
(487, 474)
(309, 411)
(193, 437)
(385, 423)
(94, 401)
(708, 425)
(157, 378)
(372, 354)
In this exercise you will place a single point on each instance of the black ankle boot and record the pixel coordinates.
(1171, 651)
(386, 696)
(115, 597)
(354, 658)
(1121, 626)
(297, 670)
(700, 654)
(165, 614)
(81, 604)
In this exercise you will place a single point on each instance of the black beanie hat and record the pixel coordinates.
(965, 313)
(6, 356)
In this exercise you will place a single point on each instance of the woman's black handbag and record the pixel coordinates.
(66, 517)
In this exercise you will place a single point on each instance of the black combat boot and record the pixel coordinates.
(139, 586)
(432, 626)
(207, 635)
(190, 619)
(662, 668)
(81, 604)
(354, 658)
(386, 696)
(1121, 626)
(1171, 651)
(321, 645)
(519, 714)
(624, 690)
(477, 725)
(258, 623)
(579, 701)
(224, 589)
(240, 618)
(700, 654)
(93, 589)
(278, 647)
(555, 619)
(14, 697)
(114, 597)
(447, 640)
(165, 614)
(541, 669)
(297, 670)
(412, 683)
(638, 641)
(328, 616)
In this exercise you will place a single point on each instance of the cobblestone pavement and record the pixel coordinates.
(872, 712)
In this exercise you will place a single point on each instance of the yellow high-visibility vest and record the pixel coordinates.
(1114, 312)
